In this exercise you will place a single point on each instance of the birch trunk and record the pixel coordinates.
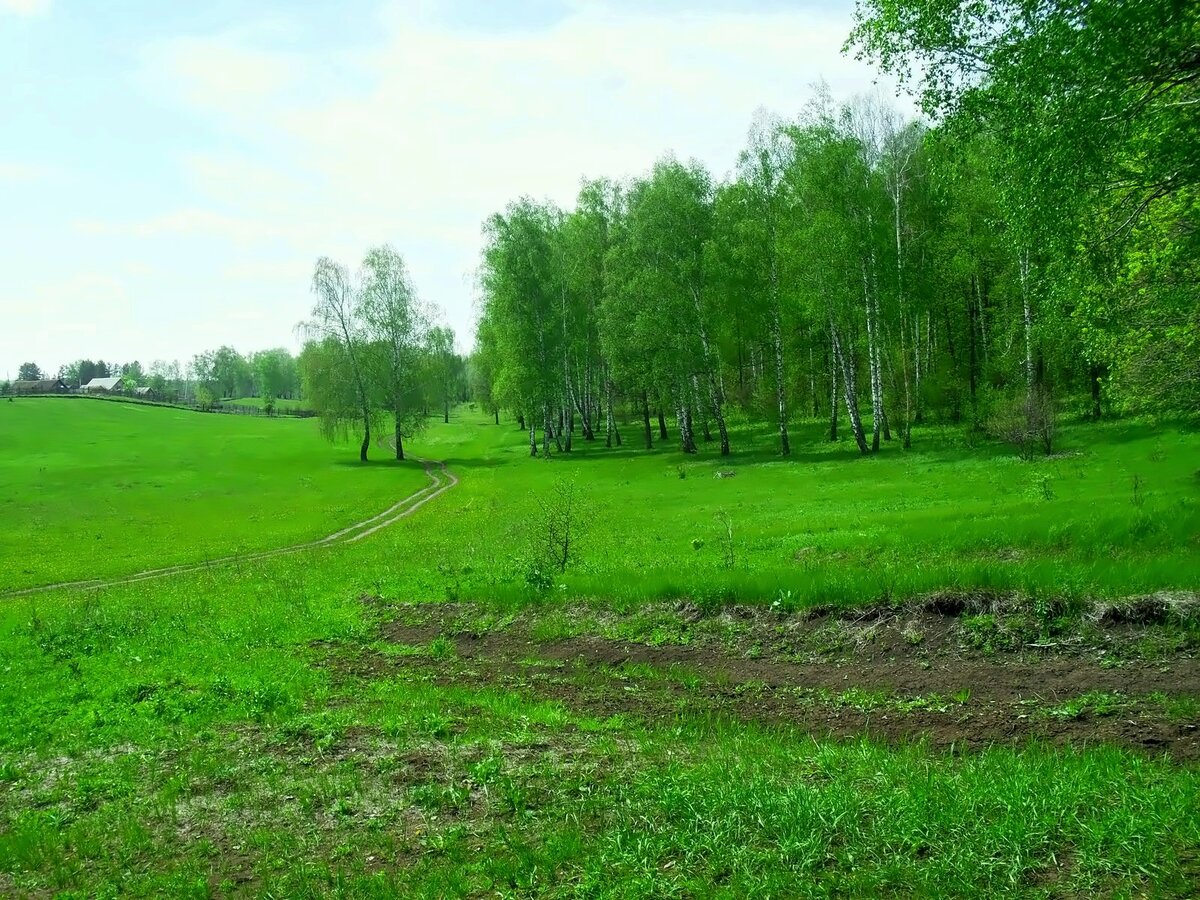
(646, 421)
(610, 421)
(812, 384)
(581, 405)
(872, 365)
(972, 347)
(362, 390)
(899, 171)
(785, 447)
(906, 427)
(1028, 314)
(833, 391)
(917, 413)
(697, 403)
(687, 440)
(877, 387)
(982, 313)
(850, 392)
(399, 437)
(715, 393)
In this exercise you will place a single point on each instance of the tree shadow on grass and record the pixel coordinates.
(454, 462)
(389, 463)
(668, 452)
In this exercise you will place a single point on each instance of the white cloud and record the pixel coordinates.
(416, 140)
(221, 74)
(188, 223)
(25, 7)
(18, 172)
(452, 125)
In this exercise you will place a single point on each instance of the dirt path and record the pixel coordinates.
(441, 480)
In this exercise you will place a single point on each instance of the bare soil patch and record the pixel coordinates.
(895, 676)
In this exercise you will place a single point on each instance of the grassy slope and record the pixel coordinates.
(91, 489)
(825, 525)
(175, 737)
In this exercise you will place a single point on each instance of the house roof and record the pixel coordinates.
(142, 391)
(45, 384)
(104, 384)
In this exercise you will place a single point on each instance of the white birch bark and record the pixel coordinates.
(1023, 263)
(876, 383)
(849, 389)
(714, 387)
(785, 447)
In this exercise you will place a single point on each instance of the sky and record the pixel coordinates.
(170, 172)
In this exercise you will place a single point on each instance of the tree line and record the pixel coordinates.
(224, 373)
(1036, 242)
(374, 352)
(210, 377)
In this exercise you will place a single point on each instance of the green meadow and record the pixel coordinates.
(415, 714)
(94, 489)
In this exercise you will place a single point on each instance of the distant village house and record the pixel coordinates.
(44, 386)
(103, 385)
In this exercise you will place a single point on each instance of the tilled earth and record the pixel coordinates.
(893, 675)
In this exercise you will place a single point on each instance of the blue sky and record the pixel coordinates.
(169, 172)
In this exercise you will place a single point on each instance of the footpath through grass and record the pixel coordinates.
(92, 489)
(251, 729)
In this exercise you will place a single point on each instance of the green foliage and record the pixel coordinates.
(1088, 112)
(205, 398)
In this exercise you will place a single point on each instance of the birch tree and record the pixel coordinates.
(443, 366)
(395, 327)
(523, 303)
(336, 322)
(761, 166)
(670, 226)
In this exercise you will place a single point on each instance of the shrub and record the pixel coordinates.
(205, 398)
(557, 526)
(1026, 421)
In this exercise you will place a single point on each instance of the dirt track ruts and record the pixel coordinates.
(983, 698)
(441, 480)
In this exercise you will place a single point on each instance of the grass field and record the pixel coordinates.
(1116, 511)
(435, 711)
(92, 489)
